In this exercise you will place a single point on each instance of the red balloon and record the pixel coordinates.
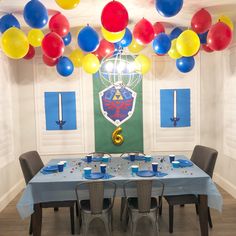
(30, 54)
(201, 21)
(219, 36)
(143, 32)
(206, 48)
(114, 17)
(53, 45)
(59, 24)
(158, 28)
(105, 49)
(50, 61)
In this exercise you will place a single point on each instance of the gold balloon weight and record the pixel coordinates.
(117, 138)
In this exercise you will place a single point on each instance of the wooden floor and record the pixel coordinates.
(185, 222)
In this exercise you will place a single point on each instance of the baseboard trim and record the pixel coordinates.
(11, 194)
(225, 184)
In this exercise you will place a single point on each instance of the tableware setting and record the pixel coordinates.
(90, 158)
(133, 157)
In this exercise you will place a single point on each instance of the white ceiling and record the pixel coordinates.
(89, 11)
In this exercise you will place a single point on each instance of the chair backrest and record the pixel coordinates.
(96, 194)
(31, 164)
(137, 153)
(144, 192)
(204, 158)
(100, 154)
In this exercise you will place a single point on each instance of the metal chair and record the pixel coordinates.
(144, 205)
(122, 205)
(97, 206)
(205, 159)
(31, 164)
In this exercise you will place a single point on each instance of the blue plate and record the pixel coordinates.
(185, 163)
(145, 173)
(137, 158)
(52, 168)
(96, 175)
(160, 174)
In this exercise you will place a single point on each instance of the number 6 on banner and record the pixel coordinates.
(117, 138)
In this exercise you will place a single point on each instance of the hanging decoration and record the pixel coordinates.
(50, 61)
(227, 21)
(175, 33)
(35, 37)
(90, 63)
(185, 64)
(67, 39)
(105, 49)
(158, 28)
(65, 66)
(126, 40)
(112, 37)
(161, 44)
(169, 8)
(7, 21)
(59, 24)
(135, 47)
(30, 54)
(67, 5)
(76, 57)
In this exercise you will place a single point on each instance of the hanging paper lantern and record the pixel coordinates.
(53, 45)
(35, 14)
(35, 37)
(30, 54)
(188, 43)
(67, 4)
(143, 32)
(50, 61)
(105, 49)
(88, 39)
(14, 43)
(65, 66)
(169, 8)
(114, 17)
(185, 64)
(161, 44)
(201, 21)
(59, 24)
(219, 36)
(158, 28)
(7, 21)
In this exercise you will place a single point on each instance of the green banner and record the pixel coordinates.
(132, 129)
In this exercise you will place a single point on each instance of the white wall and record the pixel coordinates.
(10, 175)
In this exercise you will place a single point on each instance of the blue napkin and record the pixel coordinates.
(44, 172)
(185, 163)
(108, 176)
(94, 159)
(137, 158)
(161, 174)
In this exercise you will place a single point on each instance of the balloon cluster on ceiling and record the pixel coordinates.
(181, 45)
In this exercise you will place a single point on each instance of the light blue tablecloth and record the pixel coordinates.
(61, 186)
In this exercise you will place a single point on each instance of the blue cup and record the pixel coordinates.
(89, 158)
(147, 158)
(172, 158)
(154, 166)
(103, 168)
(65, 163)
(175, 164)
(87, 171)
(105, 159)
(60, 166)
(132, 157)
(134, 169)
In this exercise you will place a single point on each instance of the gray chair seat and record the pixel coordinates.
(133, 203)
(85, 204)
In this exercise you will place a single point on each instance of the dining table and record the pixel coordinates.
(60, 186)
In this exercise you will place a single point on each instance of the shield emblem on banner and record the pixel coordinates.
(117, 104)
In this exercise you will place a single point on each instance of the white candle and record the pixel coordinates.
(59, 108)
(175, 104)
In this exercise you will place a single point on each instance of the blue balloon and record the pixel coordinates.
(35, 14)
(169, 8)
(88, 39)
(175, 33)
(65, 67)
(67, 39)
(127, 39)
(203, 38)
(8, 21)
(118, 49)
(161, 44)
(185, 64)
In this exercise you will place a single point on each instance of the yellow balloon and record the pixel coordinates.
(188, 43)
(134, 47)
(227, 21)
(143, 63)
(15, 43)
(173, 53)
(91, 63)
(113, 37)
(67, 4)
(35, 37)
(77, 57)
